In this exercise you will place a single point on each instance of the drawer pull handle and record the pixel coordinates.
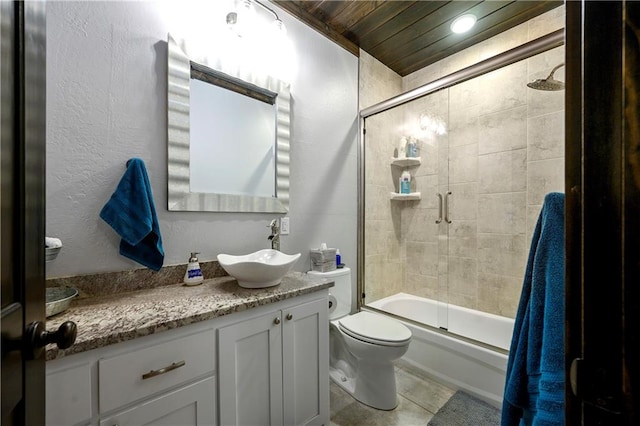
(154, 373)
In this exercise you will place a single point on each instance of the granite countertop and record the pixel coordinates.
(109, 319)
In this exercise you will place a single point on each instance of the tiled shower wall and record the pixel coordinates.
(503, 151)
(384, 261)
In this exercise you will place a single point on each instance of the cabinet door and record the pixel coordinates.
(305, 336)
(68, 396)
(191, 405)
(250, 357)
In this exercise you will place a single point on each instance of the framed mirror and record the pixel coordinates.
(228, 139)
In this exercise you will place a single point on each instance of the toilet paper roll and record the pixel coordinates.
(333, 303)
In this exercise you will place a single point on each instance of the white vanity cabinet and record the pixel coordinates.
(166, 378)
(274, 367)
(265, 365)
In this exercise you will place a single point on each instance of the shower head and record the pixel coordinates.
(549, 83)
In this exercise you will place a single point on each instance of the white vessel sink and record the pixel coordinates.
(264, 268)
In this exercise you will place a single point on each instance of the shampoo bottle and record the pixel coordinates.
(338, 259)
(402, 148)
(412, 147)
(193, 276)
(405, 182)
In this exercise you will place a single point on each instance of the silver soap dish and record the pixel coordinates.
(50, 253)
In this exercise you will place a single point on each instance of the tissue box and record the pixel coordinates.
(323, 260)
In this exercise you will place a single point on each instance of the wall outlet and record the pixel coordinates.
(284, 226)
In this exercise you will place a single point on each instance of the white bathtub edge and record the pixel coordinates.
(489, 398)
(456, 364)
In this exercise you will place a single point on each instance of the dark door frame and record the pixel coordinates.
(25, 268)
(603, 212)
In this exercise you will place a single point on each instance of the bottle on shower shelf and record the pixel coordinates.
(412, 147)
(405, 182)
(402, 148)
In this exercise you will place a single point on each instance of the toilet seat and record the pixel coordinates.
(375, 329)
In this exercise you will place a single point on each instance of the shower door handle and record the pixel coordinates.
(439, 219)
(446, 207)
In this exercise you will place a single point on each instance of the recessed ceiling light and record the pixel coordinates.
(463, 23)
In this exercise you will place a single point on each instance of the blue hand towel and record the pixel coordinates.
(534, 389)
(131, 213)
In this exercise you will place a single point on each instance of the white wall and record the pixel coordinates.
(106, 103)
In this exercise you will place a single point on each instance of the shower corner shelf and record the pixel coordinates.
(406, 161)
(406, 197)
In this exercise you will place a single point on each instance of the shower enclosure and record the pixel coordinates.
(452, 254)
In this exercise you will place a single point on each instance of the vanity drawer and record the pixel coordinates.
(139, 373)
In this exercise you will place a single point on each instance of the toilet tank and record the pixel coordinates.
(341, 290)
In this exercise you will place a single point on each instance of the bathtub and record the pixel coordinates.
(475, 362)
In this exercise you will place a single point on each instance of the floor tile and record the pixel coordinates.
(346, 411)
(422, 391)
(419, 398)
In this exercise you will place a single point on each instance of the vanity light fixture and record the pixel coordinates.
(463, 23)
(244, 9)
(258, 42)
(241, 20)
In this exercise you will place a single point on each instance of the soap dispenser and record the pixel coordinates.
(193, 276)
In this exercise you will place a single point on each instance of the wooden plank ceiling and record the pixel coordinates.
(409, 35)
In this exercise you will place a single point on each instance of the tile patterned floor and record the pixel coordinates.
(419, 399)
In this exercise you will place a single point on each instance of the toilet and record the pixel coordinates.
(362, 346)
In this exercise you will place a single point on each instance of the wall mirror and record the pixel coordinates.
(228, 139)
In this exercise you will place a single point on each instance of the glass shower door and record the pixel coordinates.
(490, 148)
(404, 247)
(506, 151)
(425, 226)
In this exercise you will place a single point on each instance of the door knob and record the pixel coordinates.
(277, 320)
(37, 337)
(289, 317)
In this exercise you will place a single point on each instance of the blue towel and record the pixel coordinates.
(131, 213)
(534, 389)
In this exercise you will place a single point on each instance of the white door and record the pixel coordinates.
(305, 337)
(250, 364)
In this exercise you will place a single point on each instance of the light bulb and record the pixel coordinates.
(245, 17)
(463, 23)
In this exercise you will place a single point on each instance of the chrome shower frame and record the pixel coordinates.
(524, 51)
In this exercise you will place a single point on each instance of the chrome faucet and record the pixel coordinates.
(275, 234)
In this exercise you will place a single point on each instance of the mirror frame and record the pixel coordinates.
(180, 197)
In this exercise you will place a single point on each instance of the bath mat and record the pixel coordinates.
(463, 409)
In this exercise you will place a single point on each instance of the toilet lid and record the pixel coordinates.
(376, 329)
